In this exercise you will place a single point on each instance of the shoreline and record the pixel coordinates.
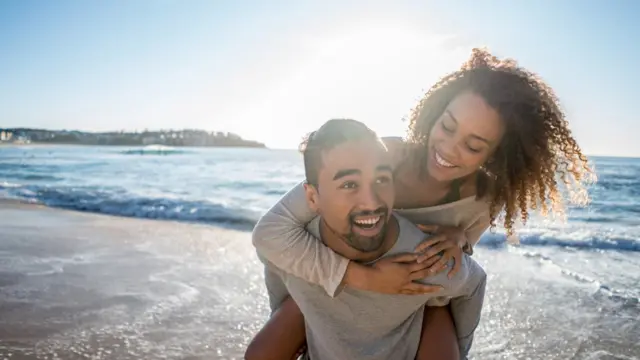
(38, 144)
(15, 204)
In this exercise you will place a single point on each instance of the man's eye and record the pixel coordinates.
(383, 180)
(349, 185)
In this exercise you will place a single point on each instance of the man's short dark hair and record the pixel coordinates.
(333, 133)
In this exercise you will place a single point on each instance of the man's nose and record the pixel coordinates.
(369, 198)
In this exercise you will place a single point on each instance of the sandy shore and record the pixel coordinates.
(77, 286)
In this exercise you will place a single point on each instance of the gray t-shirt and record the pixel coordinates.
(358, 324)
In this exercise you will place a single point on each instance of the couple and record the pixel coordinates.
(487, 139)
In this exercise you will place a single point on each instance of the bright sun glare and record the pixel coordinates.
(373, 74)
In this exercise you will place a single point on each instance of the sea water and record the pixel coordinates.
(597, 249)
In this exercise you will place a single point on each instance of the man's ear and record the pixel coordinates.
(311, 192)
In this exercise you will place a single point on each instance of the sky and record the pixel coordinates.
(274, 70)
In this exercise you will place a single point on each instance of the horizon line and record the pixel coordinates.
(228, 132)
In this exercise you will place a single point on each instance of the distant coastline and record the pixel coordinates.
(176, 138)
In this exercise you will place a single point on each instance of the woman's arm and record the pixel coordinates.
(475, 231)
(280, 237)
(447, 242)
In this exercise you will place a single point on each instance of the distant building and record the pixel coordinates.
(149, 140)
(21, 139)
(6, 136)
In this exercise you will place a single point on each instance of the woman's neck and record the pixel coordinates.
(416, 190)
(436, 185)
(411, 175)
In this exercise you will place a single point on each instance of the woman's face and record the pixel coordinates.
(463, 138)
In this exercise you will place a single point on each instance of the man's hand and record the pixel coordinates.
(444, 245)
(395, 275)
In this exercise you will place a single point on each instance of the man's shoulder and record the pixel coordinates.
(409, 236)
(313, 227)
(408, 231)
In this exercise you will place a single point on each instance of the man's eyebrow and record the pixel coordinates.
(346, 172)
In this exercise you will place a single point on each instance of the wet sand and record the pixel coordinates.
(85, 286)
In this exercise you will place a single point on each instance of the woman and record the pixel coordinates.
(487, 139)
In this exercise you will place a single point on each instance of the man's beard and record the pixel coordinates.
(366, 243)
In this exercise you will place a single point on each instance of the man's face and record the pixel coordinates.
(355, 193)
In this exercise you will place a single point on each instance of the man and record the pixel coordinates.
(349, 183)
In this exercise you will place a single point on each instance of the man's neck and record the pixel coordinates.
(335, 242)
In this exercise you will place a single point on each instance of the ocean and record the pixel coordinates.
(568, 290)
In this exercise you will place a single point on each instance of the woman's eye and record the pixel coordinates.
(473, 149)
(445, 128)
(383, 180)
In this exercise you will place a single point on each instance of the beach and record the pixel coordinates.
(124, 253)
(74, 285)
(78, 286)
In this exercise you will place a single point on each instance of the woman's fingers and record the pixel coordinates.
(456, 265)
(433, 240)
(436, 250)
(440, 265)
(422, 270)
(402, 258)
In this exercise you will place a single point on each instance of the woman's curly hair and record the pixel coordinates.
(538, 152)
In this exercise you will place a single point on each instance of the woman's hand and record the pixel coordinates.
(396, 274)
(391, 275)
(445, 244)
